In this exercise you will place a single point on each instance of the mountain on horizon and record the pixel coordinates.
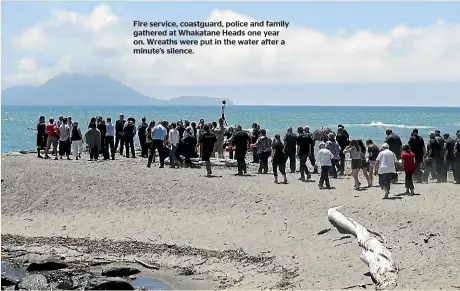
(79, 89)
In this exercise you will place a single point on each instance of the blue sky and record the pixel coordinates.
(327, 18)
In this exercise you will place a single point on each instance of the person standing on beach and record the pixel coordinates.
(264, 150)
(417, 145)
(219, 131)
(173, 142)
(142, 138)
(385, 168)
(441, 142)
(290, 141)
(334, 148)
(356, 161)
(129, 132)
(434, 160)
(254, 136)
(449, 156)
(278, 158)
(394, 142)
(324, 159)
(148, 137)
(109, 138)
(206, 143)
(408, 163)
(64, 140)
(77, 144)
(304, 150)
(159, 133)
(52, 138)
(457, 159)
(93, 140)
(372, 154)
(365, 163)
(41, 136)
(119, 132)
(240, 140)
(343, 141)
(311, 157)
(100, 125)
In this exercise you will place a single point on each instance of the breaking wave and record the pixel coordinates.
(389, 125)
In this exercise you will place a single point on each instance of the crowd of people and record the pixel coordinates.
(183, 141)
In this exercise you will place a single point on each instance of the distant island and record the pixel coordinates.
(80, 89)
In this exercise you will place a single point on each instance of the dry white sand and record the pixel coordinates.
(123, 199)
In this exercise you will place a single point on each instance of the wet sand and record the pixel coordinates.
(248, 230)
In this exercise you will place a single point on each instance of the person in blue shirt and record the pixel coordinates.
(159, 134)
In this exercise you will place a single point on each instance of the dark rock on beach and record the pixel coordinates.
(41, 263)
(102, 283)
(12, 274)
(119, 272)
(34, 282)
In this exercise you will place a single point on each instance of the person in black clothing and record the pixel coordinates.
(311, 157)
(344, 131)
(194, 154)
(180, 146)
(142, 138)
(41, 136)
(343, 140)
(457, 159)
(254, 136)
(119, 133)
(240, 140)
(92, 121)
(129, 131)
(207, 141)
(290, 141)
(441, 142)
(278, 157)
(417, 145)
(433, 158)
(304, 150)
(449, 156)
(394, 142)
(100, 125)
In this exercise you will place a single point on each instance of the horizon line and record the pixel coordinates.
(232, 105)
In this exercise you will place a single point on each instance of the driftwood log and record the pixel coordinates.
(377, 257)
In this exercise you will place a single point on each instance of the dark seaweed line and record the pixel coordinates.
(109, 246)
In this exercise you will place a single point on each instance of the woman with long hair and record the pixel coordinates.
(278, 161)
(356, 161)
(365, 163)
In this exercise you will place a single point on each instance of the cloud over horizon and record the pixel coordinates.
(101, 42)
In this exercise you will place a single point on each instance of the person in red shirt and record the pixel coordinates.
(408, 163)
(52, 137)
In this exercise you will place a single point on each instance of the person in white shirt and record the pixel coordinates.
(324, 159)
(173, 142)
(64, 139)
(109, 137)
(385, 167)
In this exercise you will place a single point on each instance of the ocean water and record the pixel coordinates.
(18, 122)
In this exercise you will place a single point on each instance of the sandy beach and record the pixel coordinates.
(235, 232)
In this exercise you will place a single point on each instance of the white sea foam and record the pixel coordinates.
(389, 125)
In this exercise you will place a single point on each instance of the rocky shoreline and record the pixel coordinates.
(63, 263)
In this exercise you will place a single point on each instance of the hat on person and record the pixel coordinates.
(385, 146)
